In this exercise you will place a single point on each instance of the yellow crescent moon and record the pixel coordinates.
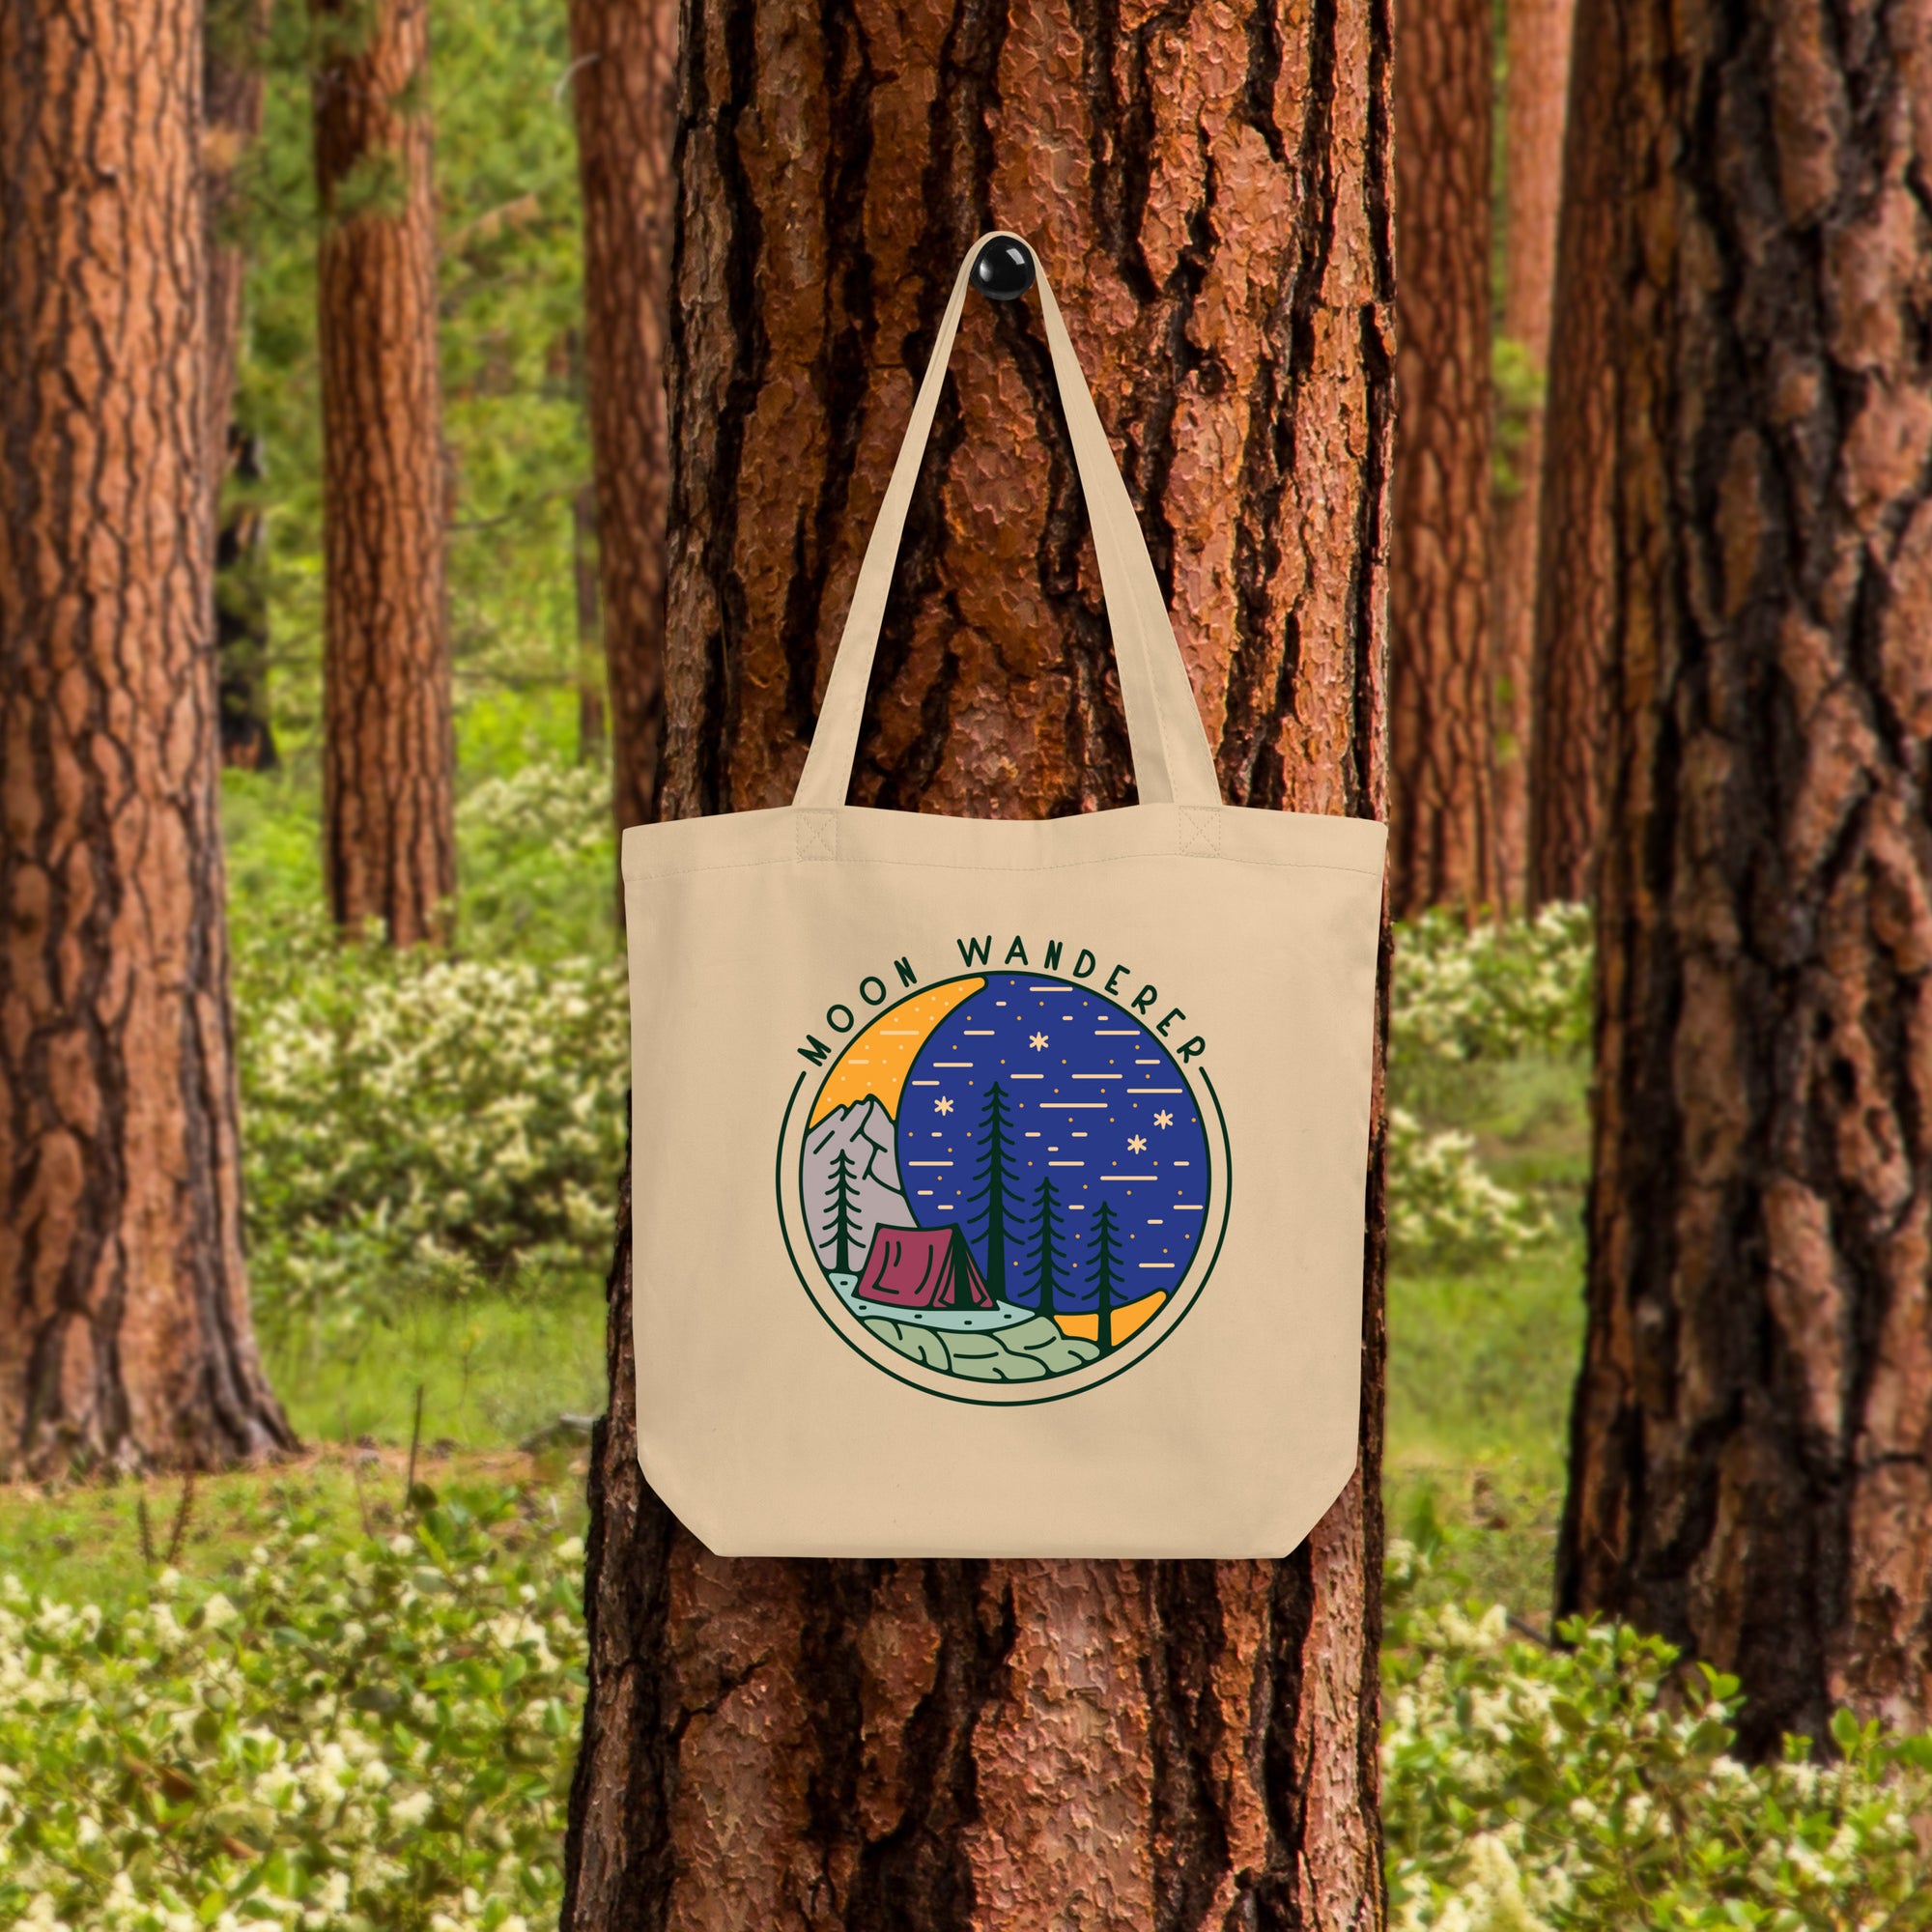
(878, 1059)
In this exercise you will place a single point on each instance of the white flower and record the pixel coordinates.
(410, 1811)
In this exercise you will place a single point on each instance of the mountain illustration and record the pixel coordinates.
(869, 1179)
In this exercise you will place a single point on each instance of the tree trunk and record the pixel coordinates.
(233, 63)
(623, 60)
(1013, 1745)
(1750, 1468)
(1575, 547)
(1442, 830)
(388, 807)
(231, 75)
(1538, 38)
(242, 616)
(591, 735)
(125, 1336)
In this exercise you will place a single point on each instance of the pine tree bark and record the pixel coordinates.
(125, 1334)
(1010, 1744)
(623, 60)
(1750, 1472)
(592, 734)
(1442, 825)
(1575, 542)
(234, 54)
(389, 794)
(1534, 96)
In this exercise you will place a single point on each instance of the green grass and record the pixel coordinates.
(494, 1373)
(493, 1370)
(83, 1541)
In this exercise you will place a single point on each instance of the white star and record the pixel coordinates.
(1163, 1118)
(1037, 1043)
(942, 1105)
(1136, 1145)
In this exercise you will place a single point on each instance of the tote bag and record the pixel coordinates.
(998, 1186)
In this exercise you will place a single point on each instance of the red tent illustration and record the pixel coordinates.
(923, 1267)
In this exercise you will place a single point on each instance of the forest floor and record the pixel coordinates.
(1481, 1361)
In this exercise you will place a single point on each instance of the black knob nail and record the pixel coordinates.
(1005, 268)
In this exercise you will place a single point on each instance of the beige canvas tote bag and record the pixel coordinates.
(998, 1186)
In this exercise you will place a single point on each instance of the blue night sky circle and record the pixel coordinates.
(1095, 1104)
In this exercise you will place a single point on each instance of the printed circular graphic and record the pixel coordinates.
(1007, 1180)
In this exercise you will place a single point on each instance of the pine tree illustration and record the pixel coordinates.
(1050, 1259)
(845, 1228)
(1106, 1278)
(997, 1194)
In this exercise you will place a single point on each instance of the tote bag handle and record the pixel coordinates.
(1172, 762)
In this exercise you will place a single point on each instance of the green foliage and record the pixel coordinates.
(539, 864)
(353, 1732)
(1516, 383)
(414, 1121)
(1590, 1788)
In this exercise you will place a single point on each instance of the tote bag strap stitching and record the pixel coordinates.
(1172, 760)
(1199, 832)
(815, 835)
(1013, 868)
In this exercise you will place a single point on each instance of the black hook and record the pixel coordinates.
(1004, 270)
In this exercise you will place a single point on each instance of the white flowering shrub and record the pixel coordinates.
(561, 810)
(1463, 999)
(1442, 1203)
(1591, 1789)
(416, 1121)
(1494, 991)
(347, 1737)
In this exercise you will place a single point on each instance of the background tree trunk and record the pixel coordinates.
(234, 53)
(388, 800)
(1575, 542)
(1442, 830)
(1750, 1462)
(1010, 1744)
(624, 59)
(125, 1337)
(591, 733)
(234, 58)
(1534, 95)
(248, 733)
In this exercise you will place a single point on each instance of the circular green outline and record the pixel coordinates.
(946, 1395)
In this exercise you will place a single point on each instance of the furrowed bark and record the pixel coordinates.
(1011, 1745)
(1443, 823)
(1750, 1468)
(623, 77)
(1575, 542)
(1534, 96)
(233, 54)
(388, 779)
(125, 1334)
